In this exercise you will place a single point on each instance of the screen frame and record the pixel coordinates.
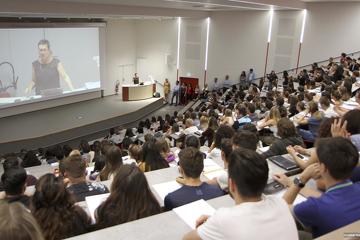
(52, 99)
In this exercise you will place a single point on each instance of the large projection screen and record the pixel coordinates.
(38, 64)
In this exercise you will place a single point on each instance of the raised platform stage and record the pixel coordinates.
(71, 122)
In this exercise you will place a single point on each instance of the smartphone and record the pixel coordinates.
(300, 156)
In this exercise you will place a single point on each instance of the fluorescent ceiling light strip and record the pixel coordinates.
(247, 2)
(262, 4)
(303, 26)
(207, 42)
(214, 4)
(270, 24)
(178, 46)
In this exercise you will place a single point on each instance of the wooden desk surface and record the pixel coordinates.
(349, 232)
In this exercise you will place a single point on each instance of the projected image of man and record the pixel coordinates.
(47, 71)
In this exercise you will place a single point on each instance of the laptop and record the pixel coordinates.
(284, 163)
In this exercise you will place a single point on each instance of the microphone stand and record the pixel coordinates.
(14, 79)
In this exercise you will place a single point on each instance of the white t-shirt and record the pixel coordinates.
(267, 219)
(190, 130)
(329, 113)
(215, 154)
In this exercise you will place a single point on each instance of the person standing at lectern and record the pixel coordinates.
(136, 79)
(166, 89)
(47, 71)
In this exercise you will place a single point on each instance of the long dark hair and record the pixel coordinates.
(152, 157)
(113, 161)
(130, 199)
(54, 209)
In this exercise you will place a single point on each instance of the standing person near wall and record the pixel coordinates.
(216, 84)
(167, 88)
(272, 77)
(227, 83)
(251, 77)
(176, 91)
(243, 83)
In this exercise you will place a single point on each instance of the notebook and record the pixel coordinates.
(189, 213)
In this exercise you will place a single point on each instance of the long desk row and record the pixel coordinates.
(148, 228)
(165, 225)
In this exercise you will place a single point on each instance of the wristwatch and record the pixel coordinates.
(298, 182)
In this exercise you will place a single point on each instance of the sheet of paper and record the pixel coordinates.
(299, 198)
(214, 174)
(164, 189)
(210, 166)
(93, 202)
(204, 149)
(128, 160)
(263, 149)
(89, 170)
(189, 213)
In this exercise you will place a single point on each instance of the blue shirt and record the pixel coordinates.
(176, 88)
(337, 207)
(188, 194)
(314, 125)
(355, 176)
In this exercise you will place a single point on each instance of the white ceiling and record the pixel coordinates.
(202, 5)
(155, 8)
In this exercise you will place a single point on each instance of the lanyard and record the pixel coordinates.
(342, 185)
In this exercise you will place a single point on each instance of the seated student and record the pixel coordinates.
(135, 153)
(222, 132)
(222, 180)
(313, 123)
(13, 162)
(113, 160)
(55, 211)
(255, 216)
(30, 160)
(190, 128)
(130, 199)
(326, 108)
(340, 204)
(67, 150)
(192, 141)
(152, 159)
(349, 127)
(191, 165)
(208, 133)
(253, 115)
(14, 183)
(163, 147)
(75, 171)
(17, 223)
(245, 139)
(271, 120)
(242, 117)
(86, 152)
(228, 118)
(288, 136)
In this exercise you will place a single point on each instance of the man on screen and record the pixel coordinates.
(47, 71)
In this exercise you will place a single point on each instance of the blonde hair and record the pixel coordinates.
(274, 114)
(204, 120)
(135, 152)
(228, 113)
